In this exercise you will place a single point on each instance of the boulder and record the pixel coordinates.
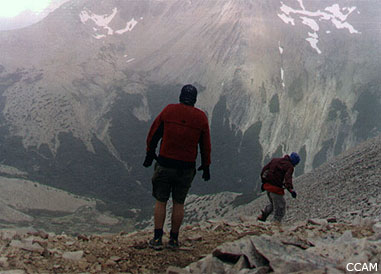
(259, 270)
(288, 259)
(176, 270)
(74, 256)
(29, 246)
(4, 262)
(377, 228)
(232, 252)
(7, 234)
(209, 264)
(321, 222)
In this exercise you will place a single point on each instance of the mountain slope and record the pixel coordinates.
(80, 88)
(27, 203)
(346, 188)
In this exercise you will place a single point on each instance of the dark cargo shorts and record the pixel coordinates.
(170, 180)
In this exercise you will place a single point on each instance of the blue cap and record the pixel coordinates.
(295, 158)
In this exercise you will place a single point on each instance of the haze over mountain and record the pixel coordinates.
(27, 17)
(79, 89)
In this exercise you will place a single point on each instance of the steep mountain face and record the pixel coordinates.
(80, 89)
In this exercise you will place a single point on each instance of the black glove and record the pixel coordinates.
(262, 187)
(149, 159)
(205, 173)
(264, 175)
(293, 194)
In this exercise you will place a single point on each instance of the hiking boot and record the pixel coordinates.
(262, 218)
(173, 244)
(156, 244)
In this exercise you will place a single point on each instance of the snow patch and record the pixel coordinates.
(301, 4)
(100, 20)
(287, 19)
(310, 22)
(336, 11)
(129, 27)
(280, 48)
(282, 74)
(313, 40)
(286, 9)
(130, 60)
(103, 21)
(334, 14)
(99, 36)
(345, 25)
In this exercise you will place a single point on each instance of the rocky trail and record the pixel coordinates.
(237, 247)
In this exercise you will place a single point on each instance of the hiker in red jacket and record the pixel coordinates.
(277, 176)
(181, 128)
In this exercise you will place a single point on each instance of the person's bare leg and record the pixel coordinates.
(159, 214)
(177, 217)
(159, 219)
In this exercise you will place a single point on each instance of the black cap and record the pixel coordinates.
(188, 95)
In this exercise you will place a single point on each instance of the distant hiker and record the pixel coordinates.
(181, 128)
(276, 176)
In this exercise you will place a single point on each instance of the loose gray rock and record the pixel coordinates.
(4, 261)
(74, 256)
(29, 246)
(288, 259)
(321, 222)
(231, 252)
(377, 228)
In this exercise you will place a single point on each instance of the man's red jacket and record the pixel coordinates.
(277, 175)
(182, 128)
